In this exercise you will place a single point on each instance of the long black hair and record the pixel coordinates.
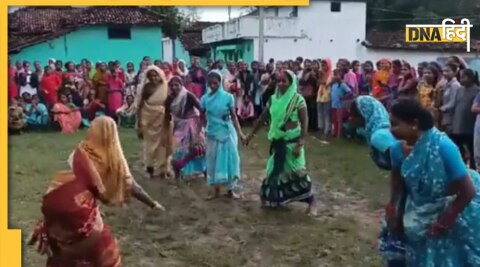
(411, 111)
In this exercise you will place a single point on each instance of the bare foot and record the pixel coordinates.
(231, 194)
(215, 194)
(312, 210)
(212, 196)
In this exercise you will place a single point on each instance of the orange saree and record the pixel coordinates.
(72, 228)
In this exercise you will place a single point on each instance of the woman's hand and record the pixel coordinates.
(394, 220)
(297, 150)
(247, 140)
(242, 137)
(158, 206)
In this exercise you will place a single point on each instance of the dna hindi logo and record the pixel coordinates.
(450, 30)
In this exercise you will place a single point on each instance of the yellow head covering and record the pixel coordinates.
(111, 173)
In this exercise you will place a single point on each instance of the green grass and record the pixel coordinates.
(220, 233)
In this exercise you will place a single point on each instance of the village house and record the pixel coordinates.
(189, 44)
(95, 33)
(333, 29)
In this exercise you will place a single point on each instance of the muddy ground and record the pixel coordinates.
(222, 232)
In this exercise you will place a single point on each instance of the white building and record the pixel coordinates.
(333, 29)
(323, 29)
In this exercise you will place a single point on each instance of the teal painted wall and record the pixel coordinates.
(181, 53)
(93, 44)
(237, 50)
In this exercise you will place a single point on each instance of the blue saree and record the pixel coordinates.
(427, 172)
(37, 117)
(222, 156)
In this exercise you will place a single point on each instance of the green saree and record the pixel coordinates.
(287, 179)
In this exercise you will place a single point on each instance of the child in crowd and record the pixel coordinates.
(339, 92)
(246, 112)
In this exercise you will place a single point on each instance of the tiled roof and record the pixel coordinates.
(32, 25)
(191, 37)
(396, 40)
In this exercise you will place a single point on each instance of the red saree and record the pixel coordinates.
(72, 227)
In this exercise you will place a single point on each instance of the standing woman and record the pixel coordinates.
(441, 209)
(407, 87)
(287, 179)
(183, 108)
(151, 126)
(324, 99)
(463, 122)
(449, 97)
(366, 78)
(100, 82)
(426, 88)
(222, 127)
(72, 231)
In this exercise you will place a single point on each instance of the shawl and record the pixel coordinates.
(374, 113)
(180, 72)
(381, 77)
(279, 106)
(104, 156)
(160, 95)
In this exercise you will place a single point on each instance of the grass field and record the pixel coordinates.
(222, 233)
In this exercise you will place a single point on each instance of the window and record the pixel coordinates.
(119, 33)
(294, 11)
(335, 6)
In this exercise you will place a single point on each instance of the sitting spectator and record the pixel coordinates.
(16, 118)
(246, 111)
(92, 108)
(67, 115)
(36, 112)
(127, 114)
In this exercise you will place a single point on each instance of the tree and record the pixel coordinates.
(173, 22)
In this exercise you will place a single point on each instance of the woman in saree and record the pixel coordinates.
(222, 127)
(72, 231)
(67, 115)
(407, 87)
(435, 199)
(369, 116)
(115, 93)
(100, 82)
(127, 114)
(380, 89)
(183, 108)
(426, 88)
(37, 114)
(50, 84)
(181, 69)
(287, 179)
(151, 126)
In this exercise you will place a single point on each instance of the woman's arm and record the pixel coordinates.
(236, 124)
(141, 195)
(260, 122)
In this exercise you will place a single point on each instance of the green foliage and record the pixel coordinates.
(173, 22)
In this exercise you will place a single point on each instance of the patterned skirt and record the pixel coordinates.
(188, 157)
